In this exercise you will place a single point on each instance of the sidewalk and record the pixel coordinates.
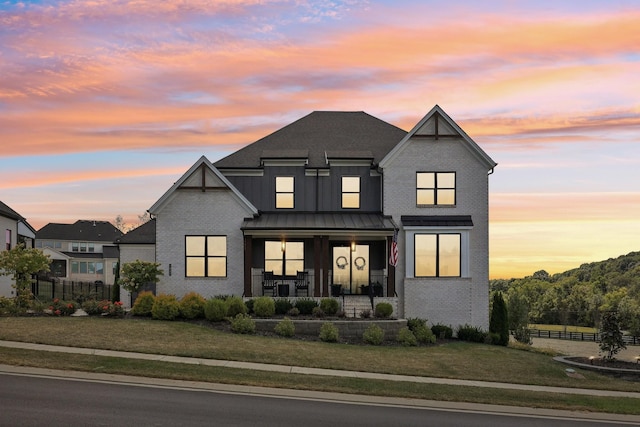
(315, 371)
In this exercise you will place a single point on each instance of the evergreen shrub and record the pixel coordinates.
(442, 331)
(243, 324)
(406, 337)
(192, 306)
(235, 306)
(373, 335)
(143, 304)
(283, 305)
(264, 307)
(383, 310)
(306, 305)
(328, 332)
(165, 307)
(330, 306)
(215, 310)
(285, 328)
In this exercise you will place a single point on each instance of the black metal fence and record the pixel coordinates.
(579, 336)
(70, 290)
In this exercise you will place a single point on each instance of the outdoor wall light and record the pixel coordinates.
(353, 246)
(591, 359)
(283, 246)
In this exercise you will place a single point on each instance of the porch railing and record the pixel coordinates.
(285, 286)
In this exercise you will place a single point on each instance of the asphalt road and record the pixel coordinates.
(42, 401)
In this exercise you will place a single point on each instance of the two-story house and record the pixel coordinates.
(320, 207)
(83, 251)
(16, 231)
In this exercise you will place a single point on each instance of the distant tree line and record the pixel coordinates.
(577, 297)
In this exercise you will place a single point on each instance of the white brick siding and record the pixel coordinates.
(193, 212)
(451, 301)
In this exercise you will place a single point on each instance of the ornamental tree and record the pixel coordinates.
(138, 273)
(499, 320)
(611, 341)
(20, 263)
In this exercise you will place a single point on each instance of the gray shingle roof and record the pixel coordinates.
(7, 212)
(320, 132)
(144, 234)
(81, 230)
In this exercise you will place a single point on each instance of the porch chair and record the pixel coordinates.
(301, 282)
(269, 283)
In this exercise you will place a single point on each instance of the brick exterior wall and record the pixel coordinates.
(193, 212)
(452, 301)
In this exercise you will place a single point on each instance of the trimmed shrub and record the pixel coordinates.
(330, 306)
(62, 308)
(328, 332)
(424, 335)
(407, 338)
(442, 331)
(283, 305)
(306, 305)
(264, 307)
(285, 328)
(243, 324)
(215, 310)
(92, 307)
(192, 306)
(165, 307)
(374, 335)
(293, 312)
(415, 322)
(317, 312)
(383, 310)
(143, 304)
(472, 334)
(235, 306)
(499, 320)
(249, 304)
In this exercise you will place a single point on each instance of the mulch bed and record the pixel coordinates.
(617, 364)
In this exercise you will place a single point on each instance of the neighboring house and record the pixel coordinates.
(137, 244)
(83, 251)
(318, 203)
(16, 231)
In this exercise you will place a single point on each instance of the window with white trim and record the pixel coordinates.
(206, 256)
(284, 192)
(350, 192)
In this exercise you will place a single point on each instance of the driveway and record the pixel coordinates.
(583, 348)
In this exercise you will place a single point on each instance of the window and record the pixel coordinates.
(75, 267)
(114, 267)
(437, 255)
(7, 239)
(83, 268)
(436, 188)
(83, 246)
(74, 246)
(350, 192)
(91, 247)
(283, 262)
(284, 192)
(99, 268)
(206, 256)
(91, 267)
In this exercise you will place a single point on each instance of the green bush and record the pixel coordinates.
(243, 324)
(235, 306)
(374, 335)
(365, 314)
(293, 312)
(285, 328)
(7, 307)
(472, 334)
(424, 335)
(306, 305)
(283, 305)
(442, 331)
(92, 307)
(249, 304)
(215, 310)
(264, 307)
(192, 306)
(328, 332)
(62, 308)
(414, 322)
(317, 312)
(165, 307)
(143, 304)
(499, 320)
(407, 338)
(383, 310)
(330, 306)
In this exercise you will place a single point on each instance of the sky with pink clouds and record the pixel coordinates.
(104, 104)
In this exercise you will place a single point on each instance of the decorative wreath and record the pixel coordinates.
(360, 263)
(342, 262)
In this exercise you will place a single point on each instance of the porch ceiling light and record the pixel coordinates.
(353, 246)
(283, 245)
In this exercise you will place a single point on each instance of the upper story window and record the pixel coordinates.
(7, 239)
(283, 258)
(91, 247)
(436, 188)
(437, 255)
(350, 192)
(75, 246)
(284, 192)
(206, 256)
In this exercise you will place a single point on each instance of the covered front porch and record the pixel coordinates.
(318, 255)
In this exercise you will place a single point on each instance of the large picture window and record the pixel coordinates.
(284, 192)
(283, 258)
(206, 256)
(350, 192)
(437, 255)
(436, 188)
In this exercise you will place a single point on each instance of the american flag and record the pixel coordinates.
(393, 255)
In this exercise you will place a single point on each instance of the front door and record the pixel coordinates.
(351, 268)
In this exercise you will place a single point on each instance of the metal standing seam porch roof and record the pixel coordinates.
(311, 223)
